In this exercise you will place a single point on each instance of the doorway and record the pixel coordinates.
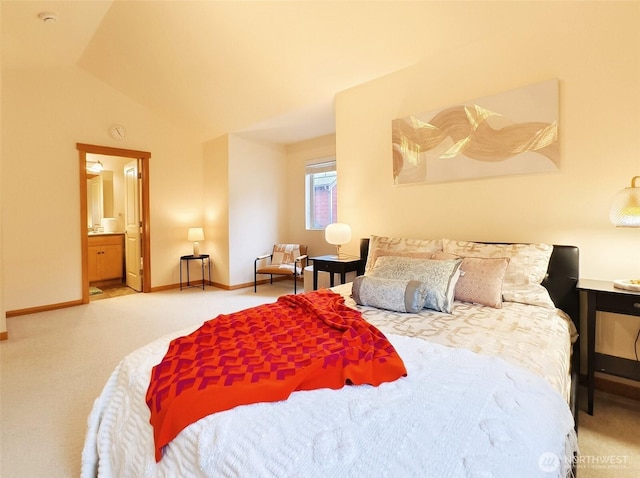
(137, 228)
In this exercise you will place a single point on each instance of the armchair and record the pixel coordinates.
(285, 260)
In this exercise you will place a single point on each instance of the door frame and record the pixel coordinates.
(144, 157)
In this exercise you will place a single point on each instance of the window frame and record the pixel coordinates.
(313, 168)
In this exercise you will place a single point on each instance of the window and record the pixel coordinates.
(321, 198)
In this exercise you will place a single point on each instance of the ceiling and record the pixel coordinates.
(268, 69)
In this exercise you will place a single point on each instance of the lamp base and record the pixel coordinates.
(339, 255)
(196, 249)
(627, 284)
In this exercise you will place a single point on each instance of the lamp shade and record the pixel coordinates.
(337, 233)
(625, 206)
(195, 234)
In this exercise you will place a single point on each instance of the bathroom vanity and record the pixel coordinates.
(106, 256)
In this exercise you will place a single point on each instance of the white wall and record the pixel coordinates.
(45, 113)
(593, 48)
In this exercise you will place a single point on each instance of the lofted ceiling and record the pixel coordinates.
(269, 69)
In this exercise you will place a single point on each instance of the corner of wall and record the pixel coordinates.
(4, 335)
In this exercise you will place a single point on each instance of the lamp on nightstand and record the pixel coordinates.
(625, 207)
(337, 234)
(625, 212)
(196, 234)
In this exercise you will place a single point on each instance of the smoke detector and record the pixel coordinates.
(48, 17)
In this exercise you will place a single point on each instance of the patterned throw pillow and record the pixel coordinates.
(390, 294)
(438, 277)
(527, 267)
(480, 279)
(379, 245)
(285, 254)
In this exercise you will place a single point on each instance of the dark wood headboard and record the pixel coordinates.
(560, 281)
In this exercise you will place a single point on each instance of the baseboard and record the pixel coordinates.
(218, 285)
(193, 283)
(4, 336)
(230, 287)
(73, 303)
(197, 283)
(42, 308)
(617, 388)
(165, 287)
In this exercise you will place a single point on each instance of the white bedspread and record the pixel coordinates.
(536, 338)
(456, 414)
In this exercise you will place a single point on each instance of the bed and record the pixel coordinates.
(489, 389)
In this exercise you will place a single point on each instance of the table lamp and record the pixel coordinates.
(337, 234)
(196, 234)
(625, 212)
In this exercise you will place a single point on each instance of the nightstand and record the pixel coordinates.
(336, 265)
(188, 259)
(603, 297)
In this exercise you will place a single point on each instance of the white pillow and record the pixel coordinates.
(528, 264)
(379, 245)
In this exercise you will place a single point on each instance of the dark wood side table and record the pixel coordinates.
(603, 297)
(336, 265)
(187, 260)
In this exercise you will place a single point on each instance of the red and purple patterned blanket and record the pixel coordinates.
(263, 354)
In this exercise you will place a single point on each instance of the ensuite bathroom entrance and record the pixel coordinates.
(115, 221)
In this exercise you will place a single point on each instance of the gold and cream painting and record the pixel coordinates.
(514, 132)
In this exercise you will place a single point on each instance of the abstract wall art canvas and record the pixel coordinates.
(514, 132)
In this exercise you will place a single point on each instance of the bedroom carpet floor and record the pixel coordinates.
(55, 364)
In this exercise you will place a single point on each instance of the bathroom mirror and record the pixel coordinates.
(99, 198)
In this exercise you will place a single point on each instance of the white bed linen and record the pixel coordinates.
(456, 414)
(536, 338)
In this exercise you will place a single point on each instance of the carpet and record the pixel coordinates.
(69, 338)
(94, 291)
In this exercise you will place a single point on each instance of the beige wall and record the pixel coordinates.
(45, 114)
(297, 156)
(257, 203)
(594, 51)
(593, 48)
(3, 317)
(254, 197)
(216, 207)
(245, 197)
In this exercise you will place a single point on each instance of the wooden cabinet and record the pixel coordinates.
(105, 257)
